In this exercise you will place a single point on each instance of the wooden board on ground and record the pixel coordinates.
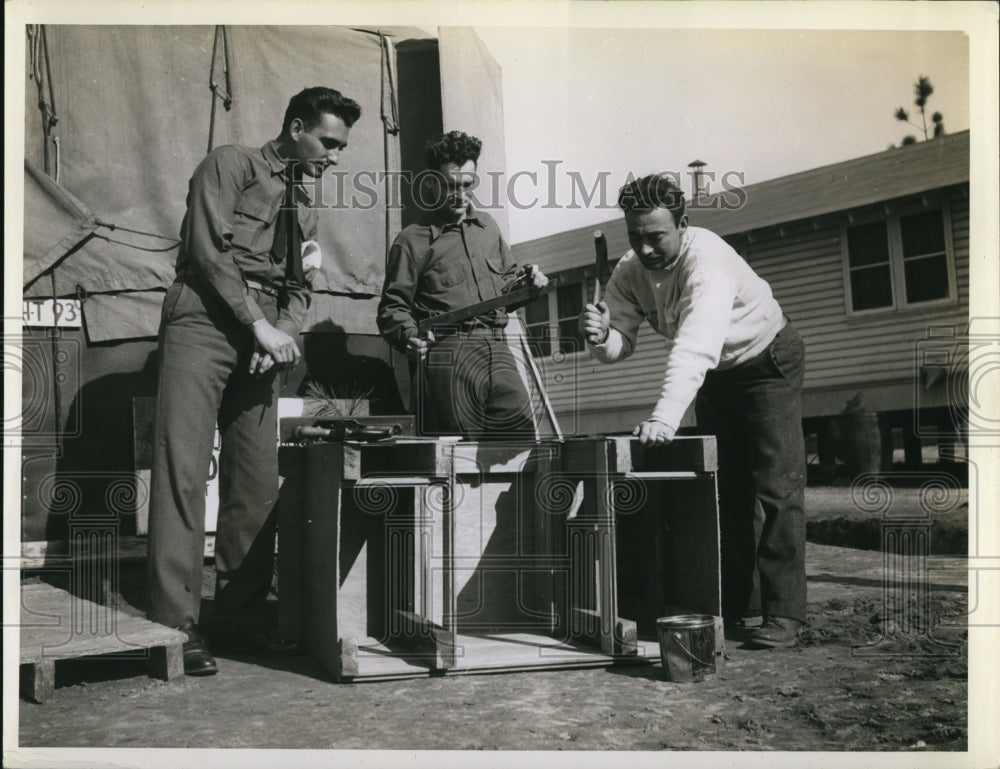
(56, 625)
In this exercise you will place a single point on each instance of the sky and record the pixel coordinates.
(756, 103)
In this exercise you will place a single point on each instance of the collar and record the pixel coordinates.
(436, 226)
(274, 161)
(278, 168)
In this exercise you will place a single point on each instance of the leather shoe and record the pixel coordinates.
(776, 632)
(743, 623)
(257, 643)
(198, 660)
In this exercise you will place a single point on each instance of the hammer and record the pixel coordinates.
(601, 248)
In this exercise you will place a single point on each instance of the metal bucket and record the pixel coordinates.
(687, 646)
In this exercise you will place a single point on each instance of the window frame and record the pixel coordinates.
(570, 277)
(892, 214)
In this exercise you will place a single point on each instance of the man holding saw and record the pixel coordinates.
(453, 261)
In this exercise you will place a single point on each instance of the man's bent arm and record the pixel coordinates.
(395, 311)
(625, 319)
(706, 305)
(208, 229)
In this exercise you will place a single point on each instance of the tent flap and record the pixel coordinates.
(55, 223)
(134, 123)
(125, 315)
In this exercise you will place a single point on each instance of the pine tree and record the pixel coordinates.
(923, 89)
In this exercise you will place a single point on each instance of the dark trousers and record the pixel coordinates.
(203, 378)
(755, 410)
(469, 385)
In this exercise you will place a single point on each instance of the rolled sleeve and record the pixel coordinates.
(395, 310)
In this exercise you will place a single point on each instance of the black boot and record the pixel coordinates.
(198, 660)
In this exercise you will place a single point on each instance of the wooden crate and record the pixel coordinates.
(423, 556)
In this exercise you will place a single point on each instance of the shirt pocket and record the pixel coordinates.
(443, 276)
(254, 216)
(496, 271)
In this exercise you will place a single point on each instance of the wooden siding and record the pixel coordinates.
(806, 275)
(843, 354)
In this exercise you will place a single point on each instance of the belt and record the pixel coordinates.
(472, 330)
(265, 288)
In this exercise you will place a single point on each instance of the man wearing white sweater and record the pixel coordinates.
(729, 349)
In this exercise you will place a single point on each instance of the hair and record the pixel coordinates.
(310, 104)
(653, 191)
(452, 147)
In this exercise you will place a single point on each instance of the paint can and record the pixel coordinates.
(687, 646)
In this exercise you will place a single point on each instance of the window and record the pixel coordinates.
(899, 261)
(551, 320)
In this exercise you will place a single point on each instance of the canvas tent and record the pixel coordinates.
(116, 119)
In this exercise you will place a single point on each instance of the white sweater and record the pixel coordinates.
(710, 306)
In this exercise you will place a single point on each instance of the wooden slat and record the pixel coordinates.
(429, 643)
(415, 456)
(695, 453)
(53, 554)
(323, 463)
(57, 625)
(290, 543)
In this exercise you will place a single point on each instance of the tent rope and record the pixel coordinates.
(174, 242)
(110, 226)
(217, 93)
(391, 120)
(38, 47)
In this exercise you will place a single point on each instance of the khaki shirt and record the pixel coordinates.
(434, 268)
(228, 231)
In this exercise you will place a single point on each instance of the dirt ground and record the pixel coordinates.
(860, 680)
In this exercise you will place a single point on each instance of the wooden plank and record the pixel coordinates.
(510, 652)
(290, 543)
(592, 605)
(446, 532)
(428, 642)
(363, 580)
(495, 457)
(57, 625)
(347, 664)
(607, 573)
(499, 652)
(686, 452)
(414, 456)
(166, 662)
(542, 521)
(38, 680)
(321, 535)
(691, 557)
(44, 554)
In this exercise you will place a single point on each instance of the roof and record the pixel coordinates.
(893, 173)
